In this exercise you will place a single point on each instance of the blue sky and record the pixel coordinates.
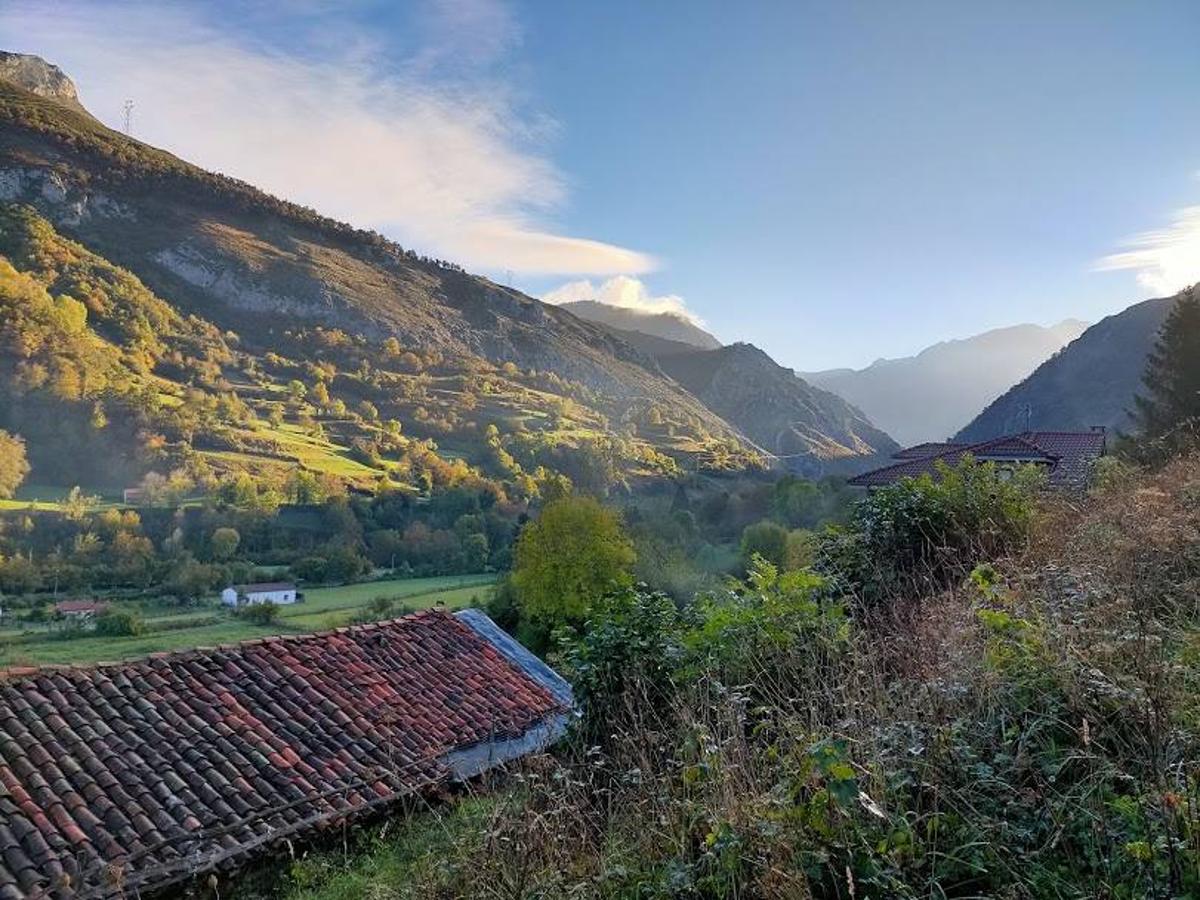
(831, 181)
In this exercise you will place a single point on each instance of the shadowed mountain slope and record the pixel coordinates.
(667, 326)
(1092, 381)
(813, 431)
(929, 396)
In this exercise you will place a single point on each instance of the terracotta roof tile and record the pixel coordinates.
(166, 766)
(927, 449)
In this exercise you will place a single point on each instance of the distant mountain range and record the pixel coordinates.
(668, 326)
(929, 396)
(1093, 381)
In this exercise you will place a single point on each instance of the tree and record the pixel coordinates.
(13, 464)
(1172, 376)
(190, 580)
(569, 558)
(225, 543)
(766, 539)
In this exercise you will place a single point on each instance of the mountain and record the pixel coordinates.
(813, 431)
(259, 334)
(240, 332)
(34, 74)
(668, 326)
(1090, 382)
(652, 345)
(929, 396)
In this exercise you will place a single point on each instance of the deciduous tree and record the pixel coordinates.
(568, 558)
(13, 464)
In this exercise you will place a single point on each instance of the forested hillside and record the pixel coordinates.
(208, 316)
(254, 267)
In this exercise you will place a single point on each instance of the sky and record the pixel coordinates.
(834, 182)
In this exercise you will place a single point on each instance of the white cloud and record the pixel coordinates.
(623, 291)
(1166, 259)
(428, 148)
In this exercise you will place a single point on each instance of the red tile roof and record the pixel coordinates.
(1068, 456)
(133, 776)
(76, 606)
(929, 448)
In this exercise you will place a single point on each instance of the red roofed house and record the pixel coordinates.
(1067, 456)
(123, 779)
(80, 610)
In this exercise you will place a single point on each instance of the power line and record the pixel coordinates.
(128, 109)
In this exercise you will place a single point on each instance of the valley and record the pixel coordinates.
(334, 569)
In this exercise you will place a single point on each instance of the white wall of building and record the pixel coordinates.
(276, 597)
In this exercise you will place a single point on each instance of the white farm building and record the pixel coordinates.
(279, 593)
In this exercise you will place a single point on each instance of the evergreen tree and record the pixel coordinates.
(1172, 377)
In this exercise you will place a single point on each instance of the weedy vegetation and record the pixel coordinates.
(1028, 726)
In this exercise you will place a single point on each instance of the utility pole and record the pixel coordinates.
(128, 109)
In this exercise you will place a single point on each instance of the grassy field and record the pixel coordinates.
(323, 608)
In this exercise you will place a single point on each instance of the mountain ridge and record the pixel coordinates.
(780, 411)
(260, 268)
(932, 394)
(272, 273)
(665, 325)
(1090, 382)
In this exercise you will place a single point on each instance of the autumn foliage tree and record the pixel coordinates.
(13, 465)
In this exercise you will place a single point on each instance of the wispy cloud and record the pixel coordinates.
(1165, 259)
(432, 148)
(623, 291)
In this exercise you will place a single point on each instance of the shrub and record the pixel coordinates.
(119, 623)
(312, 569)
(925, 533)
(260, 613)
(766, 539)
(631, 643)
